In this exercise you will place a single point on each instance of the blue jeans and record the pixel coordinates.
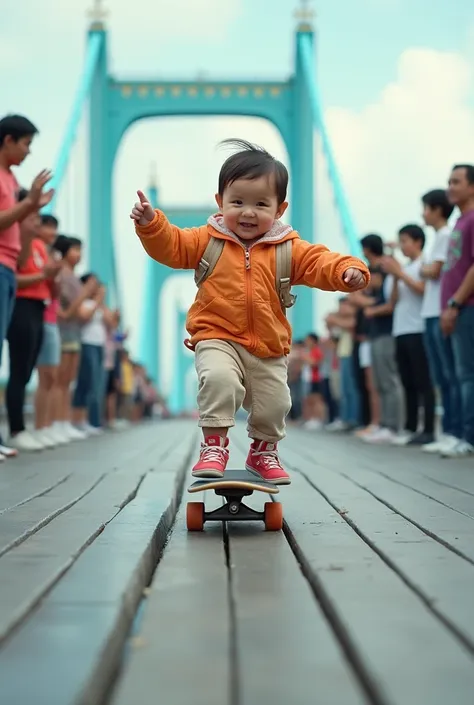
(463, 348)
(88, 393)
(7, 301)
(439, 351)
(350, 401)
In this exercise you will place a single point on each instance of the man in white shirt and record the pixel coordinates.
(436, 211)
(408, 330)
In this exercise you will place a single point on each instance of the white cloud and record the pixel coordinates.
(406, 141)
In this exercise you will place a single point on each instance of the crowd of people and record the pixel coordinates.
(392, 354)
(56, 322)
(403, 348)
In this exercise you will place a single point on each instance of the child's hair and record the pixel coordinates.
(17, 127)
(252, 162)
(22, 194)
(438, 198)
(373, 243)
(314, 337)
(415, 232)
(85, 277)
(63, 244)
(47, 219)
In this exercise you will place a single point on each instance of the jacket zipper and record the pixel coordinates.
(249, 295)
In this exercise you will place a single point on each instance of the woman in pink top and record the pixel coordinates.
(50, 354)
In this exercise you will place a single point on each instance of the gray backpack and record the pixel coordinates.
(283, 268)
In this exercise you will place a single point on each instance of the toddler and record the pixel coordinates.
(237, 323)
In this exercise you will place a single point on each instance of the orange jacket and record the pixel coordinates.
(239, 302)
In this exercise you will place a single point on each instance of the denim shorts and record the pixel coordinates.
(50, 352)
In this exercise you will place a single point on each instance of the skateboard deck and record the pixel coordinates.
(234, 479)
(234, 486)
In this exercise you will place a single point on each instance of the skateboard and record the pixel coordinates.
(234, 486)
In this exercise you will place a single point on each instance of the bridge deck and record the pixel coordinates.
(367, 596)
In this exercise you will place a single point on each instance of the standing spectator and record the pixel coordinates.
(369, 419)
(345, 321)
(50, 351)
(72, 294)
(436, 211)
(314, 404)
(457, 300)
(379, 310)
(88, 394)
(16, 135)
(408, 329)
(35, 276)
(295, 379)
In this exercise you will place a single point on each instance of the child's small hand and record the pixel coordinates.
(354, 278)
(142, 212)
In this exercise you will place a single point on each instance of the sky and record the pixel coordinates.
(396, 79)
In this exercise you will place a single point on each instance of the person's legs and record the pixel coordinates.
(84, 385)
(7, 303)
(446, 350)
(360, 381)
(268, 402)
(463, 348)
(387, 383)
(221, 393)
(24, 339)
(350, 407)
(421, 375)
(97, 394)
(410, 390)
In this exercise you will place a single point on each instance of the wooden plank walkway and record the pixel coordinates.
(366, 597)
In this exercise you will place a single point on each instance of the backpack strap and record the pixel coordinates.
(209, 260)
(283, 274)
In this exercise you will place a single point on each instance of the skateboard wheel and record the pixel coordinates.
(273, 516)
(195, 516)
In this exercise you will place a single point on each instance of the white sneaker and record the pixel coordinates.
(383, 435)
(42, 435)
(56, 433)
(74, 433)
(402, 438)
(92, 430)
(336, 425)
(442, 443)
(25, 441)
(462, 449)
(313, 425)
(7, 452)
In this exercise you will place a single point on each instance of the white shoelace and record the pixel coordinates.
(212, 453)
(273, 463)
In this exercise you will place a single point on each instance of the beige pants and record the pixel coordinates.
(230, 377)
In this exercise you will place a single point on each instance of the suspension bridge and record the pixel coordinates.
(364, 598)
(292, 105)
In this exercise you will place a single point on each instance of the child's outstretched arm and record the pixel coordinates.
(316, 266)
(166, 243)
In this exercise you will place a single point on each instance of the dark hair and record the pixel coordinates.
(22, 194)
(252, 162)
(415, 232)
(438, 198)
(313, 337)
(63, 244)
(469, 171)
(85, 277)
(47, 219)
(17, 127)
(373, 243)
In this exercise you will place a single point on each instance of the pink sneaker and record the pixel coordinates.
(213, 458)
(263, 461)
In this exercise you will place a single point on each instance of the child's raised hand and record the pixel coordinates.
(142, 212)
(354, 278)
